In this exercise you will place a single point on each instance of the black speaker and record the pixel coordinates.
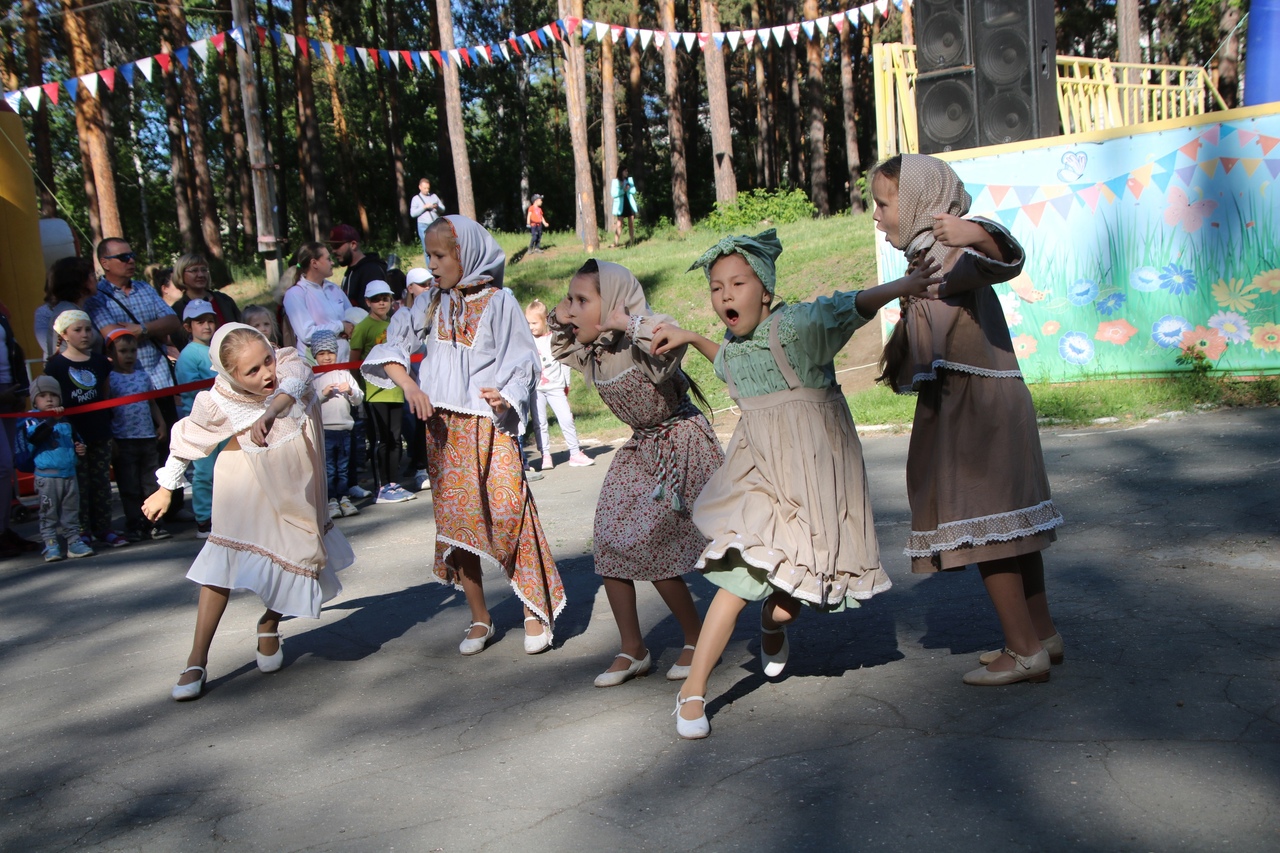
(986, 72)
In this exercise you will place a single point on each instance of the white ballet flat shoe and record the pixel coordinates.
(185, 692)
(533, 644)
(1053, 645)
(691, 729)
(1033, 668)
(678, 672)
(475, 645)
(271, 663)
(774, 664)
(638, 666)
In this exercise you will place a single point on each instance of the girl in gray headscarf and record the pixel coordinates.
(975, 473)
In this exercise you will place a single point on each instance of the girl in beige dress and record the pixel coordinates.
(271, 528)
(975, 474)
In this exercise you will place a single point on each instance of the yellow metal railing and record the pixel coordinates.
(1093, 94)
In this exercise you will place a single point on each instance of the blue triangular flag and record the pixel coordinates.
(1168, 161)
(719, 40)
(238, 35)
(1117, 185)
(276, 36)
(560, 25)
(974, 190)
(184, 56)
(1008, 216)
(72, 84)
(444, 56)
(1161, 179)
(587, 27)
(385, 56)
(632, 35)
(1227, 130)
(316, 50)
(807, 26)
(126, 71)
(1025, 194)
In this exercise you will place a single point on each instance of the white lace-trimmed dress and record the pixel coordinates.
(271, 528)
(976, 479)
(790, 510)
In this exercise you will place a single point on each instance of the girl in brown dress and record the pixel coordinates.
(643, 529)
(975, 474)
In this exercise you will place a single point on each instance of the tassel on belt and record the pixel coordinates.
(669, 477)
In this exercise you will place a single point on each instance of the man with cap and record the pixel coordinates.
(362, 268)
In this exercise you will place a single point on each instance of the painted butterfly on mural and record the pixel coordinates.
(1022, 285)
(1073, 166)
(1182, 211)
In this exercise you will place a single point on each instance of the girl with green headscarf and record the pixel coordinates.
(788, 515)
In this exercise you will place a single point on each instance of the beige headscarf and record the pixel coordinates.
(926, 186)
(215, 354)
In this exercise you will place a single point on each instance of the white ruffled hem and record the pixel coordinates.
(972, 532)
(717, 551)
(489, 565)
(374, 372)
(932, 375)
(281, 590)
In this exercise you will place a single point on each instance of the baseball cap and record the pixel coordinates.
(417, 275)
(377, 288)
(197, 308)
(340, 234)
(536, 197)
(354, 315)
(323, 340)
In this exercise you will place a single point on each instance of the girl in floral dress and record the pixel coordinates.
(643, 531)
(479, 371)
(271, 528)
(788, 515)
(975, 473)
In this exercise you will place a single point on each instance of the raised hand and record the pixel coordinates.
(667, 338)
(617, 321)
(955, 232)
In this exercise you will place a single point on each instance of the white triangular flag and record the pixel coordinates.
(506, 54)
(659, 38)
(329, 51)
(146, 65)
(528, 40)
(882, 6)
(292, 41)
(457, 60)
(764, 36)
(852, 16)
(602, 30)
(202, 49)
(90, 82)
(395, 57)
(779, 33)
(34, 94)
(690, 39)
(733, 36)
(645, 37)
(869, 12)
(363, 53)
(823, 24)
(425, 56)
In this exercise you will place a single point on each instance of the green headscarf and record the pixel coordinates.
(761, 251)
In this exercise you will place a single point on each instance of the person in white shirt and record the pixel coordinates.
(426, 207)
(552, 390)
(315, 303)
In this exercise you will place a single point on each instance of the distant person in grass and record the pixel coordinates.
(536, 221)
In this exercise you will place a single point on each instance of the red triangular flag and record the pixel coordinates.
(1229, 163)
(108, 76)
(840, 21)
(555, 31)
(1212, 134)
(373, 56)
(219, 41)
(1268, 142)
(997, 193)
(436, 55)
(339, 54)
(407, 57)
(571, 24)
(537, 39)
(165, 61)
(466, 56)
(1135, 187)
(51, 92)
(515, 45)
(1191, 149)
(303, 45)
(262, 35)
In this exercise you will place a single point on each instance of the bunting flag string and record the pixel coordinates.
(365, 58)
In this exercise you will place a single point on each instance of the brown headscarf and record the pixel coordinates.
(926, 186)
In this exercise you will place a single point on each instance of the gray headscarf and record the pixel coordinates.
(482, 261)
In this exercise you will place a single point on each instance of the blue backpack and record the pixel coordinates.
(24, 455)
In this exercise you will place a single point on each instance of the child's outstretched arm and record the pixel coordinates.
(992, 255)
(923, 280)
(419, 402)
(668, 337)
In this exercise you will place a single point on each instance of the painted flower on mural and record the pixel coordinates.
(1234, 295)
(1169, 329)
(1268, 281)
(1206, 340)
(1075, 348)
(1050, 327)
(1025, 346)
(1009, 302)
(1116, 332)
(1232, 326)
(1179, 281)
(892, 314)
(1110, 304)
(1145, 279)
(1082, 291)
(1267, 337)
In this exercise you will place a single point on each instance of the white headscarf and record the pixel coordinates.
(215, 353)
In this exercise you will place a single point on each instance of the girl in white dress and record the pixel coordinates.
(271, 528)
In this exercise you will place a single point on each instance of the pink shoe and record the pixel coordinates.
(578, 459)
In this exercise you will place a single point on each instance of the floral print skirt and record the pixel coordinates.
(483, 505)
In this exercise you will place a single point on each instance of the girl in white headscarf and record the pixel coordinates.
(474, 390)
(271, 529)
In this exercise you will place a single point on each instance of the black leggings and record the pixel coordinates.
(386, 440)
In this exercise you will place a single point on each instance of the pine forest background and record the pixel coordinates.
(164, 162)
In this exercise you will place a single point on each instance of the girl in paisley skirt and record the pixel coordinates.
(643, 530)
(480, 368)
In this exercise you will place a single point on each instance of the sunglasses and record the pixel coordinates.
(123, 257)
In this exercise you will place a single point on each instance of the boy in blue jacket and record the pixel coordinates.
(53, 446)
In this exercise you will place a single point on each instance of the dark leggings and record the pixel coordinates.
(386, 418)
(94, 472)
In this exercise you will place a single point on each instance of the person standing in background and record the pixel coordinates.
(536, 220)
(625, 206)
(426, 207)
(362, 267)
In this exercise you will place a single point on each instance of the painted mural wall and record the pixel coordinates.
(1138, 246)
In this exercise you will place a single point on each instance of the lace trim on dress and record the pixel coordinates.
(1001, 527)
(932, 375)
(633, 326)
(604, 383)
(249, 547)
(487, 561)
(170, 476)
(380, 379)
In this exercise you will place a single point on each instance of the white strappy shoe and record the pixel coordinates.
(678, 672)
(638, 666)
(271, 663)
(184, 692)
(773, 664)
(691, 729)
(533, 644)
(475, 645)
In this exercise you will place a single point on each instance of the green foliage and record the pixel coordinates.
(761, 207)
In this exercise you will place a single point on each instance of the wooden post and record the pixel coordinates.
(266, 212)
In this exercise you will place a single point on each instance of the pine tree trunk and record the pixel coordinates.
(453, 109)
(230, 208)
(351, 185)
(908, 22)
(175, 21)
(675, 124)
(817, 119)
(635, 105)
(799, 172)
(317, 195)
(1229, 56)
(276, 104)
(42, 147)
(575, 87)
(522, 120)
(718, 100)
(180, 170)
(236, 158)
(100, 176)
(395, 137)
(608, 127)
(766, 171)
(853, 160)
